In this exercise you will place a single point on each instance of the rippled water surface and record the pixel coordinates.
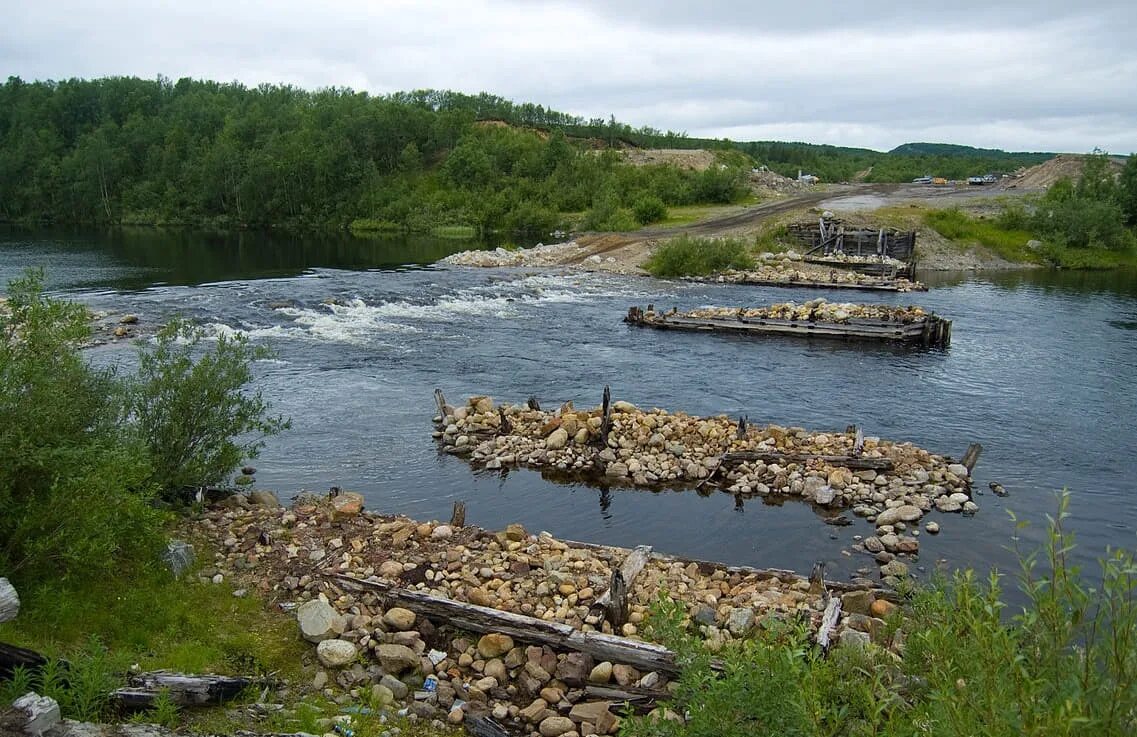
(1040, 372)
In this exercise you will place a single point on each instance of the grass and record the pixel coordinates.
(691, 256)
(371, 225)
(458, 232)
(1066, 664)
(1011, 243)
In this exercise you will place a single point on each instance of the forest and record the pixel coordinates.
(124, 150)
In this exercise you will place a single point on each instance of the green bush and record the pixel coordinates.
(1066, 664)
(690, 256)
(73, 482)
(649, 209)
(190, 409)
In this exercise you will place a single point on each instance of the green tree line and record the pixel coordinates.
(127, 150)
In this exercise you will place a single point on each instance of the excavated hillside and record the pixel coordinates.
(1048, 172)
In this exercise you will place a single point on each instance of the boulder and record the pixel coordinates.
(399, 619)
(397, 659)
(557, 439)
(346, 504)
(601, 673)
(903, 513)
(959, 470)
(740, 621)
(264, 498)
(555, 726)
(857, 602)
(41, 713)
(335, 653)
(494, 645)
(319, 621)
(574, 669)
(394, 685)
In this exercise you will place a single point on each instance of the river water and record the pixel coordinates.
(1040, 372)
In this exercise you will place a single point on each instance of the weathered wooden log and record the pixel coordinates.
(630, 694)
(505, 427)
(858, 462)
(12, 657)
(613, 602)
(184, 689)
(533, 404)
(474, 618)
(458, 515)
(829, 621)
(971, 457)
(9, 601)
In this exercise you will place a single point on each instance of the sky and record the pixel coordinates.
(1021, 76)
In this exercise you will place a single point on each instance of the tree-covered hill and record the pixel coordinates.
(128, 150)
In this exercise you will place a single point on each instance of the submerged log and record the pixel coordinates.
(858, 462)
(971, 457)
(474, 618)
(184, 690)
(9, 601)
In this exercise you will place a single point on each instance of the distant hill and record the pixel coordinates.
(954, 149)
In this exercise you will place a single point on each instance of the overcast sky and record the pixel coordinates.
(1042, 75)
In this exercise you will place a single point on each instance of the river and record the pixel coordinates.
(1040, 372)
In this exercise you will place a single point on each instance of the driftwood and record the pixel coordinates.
(613, 602)
(184, 690)
(443, 408)
(474, 618)
(829, 621)
(858, 462)
(641, 698)
(606, 417)
(12, 657)
(9, 601)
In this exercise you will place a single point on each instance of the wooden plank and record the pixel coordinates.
(474, 618)
(9, 601)
(483, 726)
(458, 514)
(858, 462)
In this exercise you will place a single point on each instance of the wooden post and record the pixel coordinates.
(505, 427)
(859, 442)
(9, 601)
(971, 457)
(606, 417)
(440, 400)
(184, 690)
(533, 404)
(458, 515)
(741, 433)
(613, 602)
(618, 606)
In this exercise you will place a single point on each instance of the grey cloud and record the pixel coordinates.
(1043, 75)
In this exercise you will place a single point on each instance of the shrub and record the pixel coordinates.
(1064, 665)
(72, 482)
(649, 209)
(193, 416)
(689, 256)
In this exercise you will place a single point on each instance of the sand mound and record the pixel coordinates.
(1048, 172)
(695, 159)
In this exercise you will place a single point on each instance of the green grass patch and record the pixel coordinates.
(1010, 243)
(157, 622)
(691, 256)
(370, 225)
(458, 232)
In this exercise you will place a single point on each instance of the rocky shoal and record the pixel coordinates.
(649, 448)
(390, 657)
